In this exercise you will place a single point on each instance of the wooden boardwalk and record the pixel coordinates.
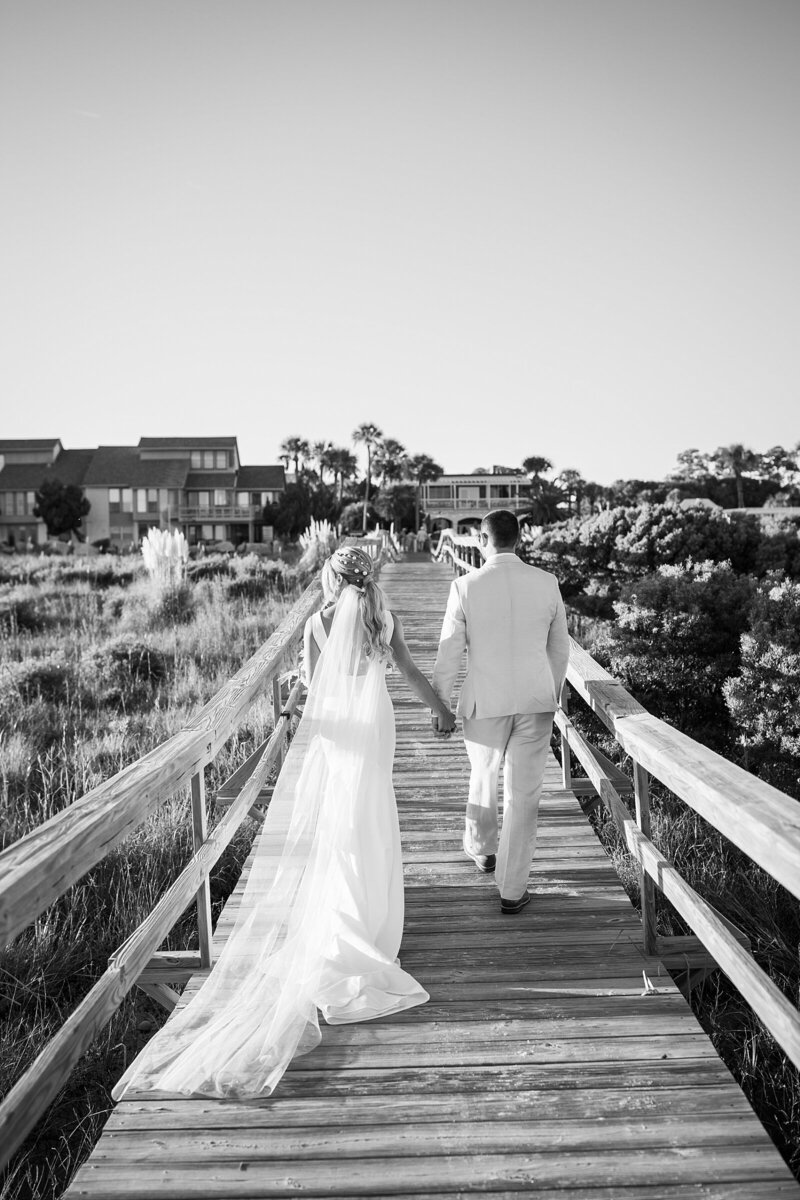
(542, 1065)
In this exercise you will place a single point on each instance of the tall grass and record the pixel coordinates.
(98, 666)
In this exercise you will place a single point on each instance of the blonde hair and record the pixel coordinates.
(371, 602)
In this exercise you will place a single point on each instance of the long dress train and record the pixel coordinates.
(322, 912)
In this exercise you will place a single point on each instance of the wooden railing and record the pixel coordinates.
(462, 550)
(757, 818)
(41, 866)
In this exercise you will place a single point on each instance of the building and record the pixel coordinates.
(197, 485)
(460, 502)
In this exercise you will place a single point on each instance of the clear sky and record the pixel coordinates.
(495, 228)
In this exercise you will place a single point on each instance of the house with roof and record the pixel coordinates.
(197, 485)
(460, 502)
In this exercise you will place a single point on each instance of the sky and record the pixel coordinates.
(494, 228)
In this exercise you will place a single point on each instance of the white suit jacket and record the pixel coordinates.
(510, 618)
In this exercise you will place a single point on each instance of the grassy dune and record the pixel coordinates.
(95, 670)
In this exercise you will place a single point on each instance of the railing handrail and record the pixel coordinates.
(757, 817)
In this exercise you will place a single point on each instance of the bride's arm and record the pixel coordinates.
(417, 681)
(310, 654)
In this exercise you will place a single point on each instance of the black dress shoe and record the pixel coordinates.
(484, 862)
(514, 906)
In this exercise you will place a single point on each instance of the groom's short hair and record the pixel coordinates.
(501, 526)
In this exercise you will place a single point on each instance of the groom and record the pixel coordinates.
(510, 617)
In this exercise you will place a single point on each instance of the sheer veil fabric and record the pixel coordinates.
(322, 913)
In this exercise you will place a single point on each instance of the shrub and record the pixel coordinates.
(124, 670)
(762, 698)
(50, 678)
(676, 641)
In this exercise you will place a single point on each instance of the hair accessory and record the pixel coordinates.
(352, 563)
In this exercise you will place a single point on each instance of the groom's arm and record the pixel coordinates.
(558, 643)
(452, 643)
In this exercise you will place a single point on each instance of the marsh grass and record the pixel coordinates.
(101, 669)
(750, 898)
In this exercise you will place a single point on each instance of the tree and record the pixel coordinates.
(389, 461)
(535, 466)
(293, 449)
(321, 454)
(691, 466)
(735, 461)
(344, 466)
(572, 483)
(61, 506)
(422, 469)
(368, 435)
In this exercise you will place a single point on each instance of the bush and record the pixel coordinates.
(125, 670)
(762, 698)
(676, 641)
(20, 615)
(50, 678)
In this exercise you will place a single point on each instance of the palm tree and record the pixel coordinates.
(368, 435)
(736, 461)
(344, 466)
(294, 448)
(422, 469)
(389, 461)
(535, 466)
(320, 454)
(573, 483)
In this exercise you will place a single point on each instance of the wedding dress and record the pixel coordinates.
(321, 917)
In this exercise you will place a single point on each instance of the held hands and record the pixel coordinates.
(443, 723)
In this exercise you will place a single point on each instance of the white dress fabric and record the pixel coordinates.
(322, 913)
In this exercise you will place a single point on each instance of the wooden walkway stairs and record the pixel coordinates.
(553, 1059)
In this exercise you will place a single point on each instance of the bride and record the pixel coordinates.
(321, 918)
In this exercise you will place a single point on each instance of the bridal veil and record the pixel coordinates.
(322, 912)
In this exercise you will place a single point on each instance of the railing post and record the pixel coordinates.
(566, 765)
(641, 789)
(277, 708)
(199, 832)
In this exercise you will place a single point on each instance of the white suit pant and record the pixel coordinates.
(520, 744)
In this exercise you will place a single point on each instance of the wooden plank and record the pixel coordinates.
(523, 1172)
(542, 1065)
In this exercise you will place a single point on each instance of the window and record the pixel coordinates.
(220, 496)
(208, 460)
(207, 532)
(152, 500)
(31, 499)
(243, 499)
(141, 499)
(127, 499)
(113, 499)
(439, 491)
(219, 533)
(499, 491)
(221, 460)
(173, 499)
(197, 460)
(204, 501)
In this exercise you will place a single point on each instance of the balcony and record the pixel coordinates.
(221, 512)
(513, 503)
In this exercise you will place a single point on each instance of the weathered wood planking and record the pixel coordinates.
(541, 1065)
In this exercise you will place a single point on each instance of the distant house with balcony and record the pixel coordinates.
(460, 502)
(197, 485)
